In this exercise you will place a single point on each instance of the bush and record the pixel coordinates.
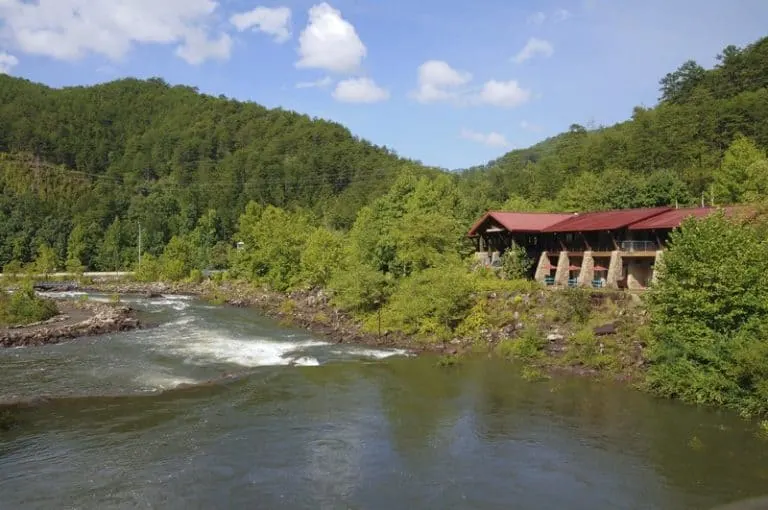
(25, 307)
(527, 347)
(322, 256)
(195, 276)
(586, 349)
(431, 302)
(515, 263)
(148, 270)
(13, 268)
(709, 316)
(359, 288)
(572, 305)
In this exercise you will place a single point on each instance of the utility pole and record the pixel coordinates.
(139, 243)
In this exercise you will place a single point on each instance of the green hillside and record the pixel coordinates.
(144, 152)
(671, 152)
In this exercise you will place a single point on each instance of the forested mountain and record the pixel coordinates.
(100, 160)
(671, 152)
(82, 167)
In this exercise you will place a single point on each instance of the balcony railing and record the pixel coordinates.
(631, 246)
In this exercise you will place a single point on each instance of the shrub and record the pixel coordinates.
(709, 316)
(322, 256)
(515, 263)
(431, 302)
(586, 349)
(13, 268)
(288, 306)
(527, 347)
(25, 307)
(572, 305)
(195, 276)
(148, 270)
(359, 288)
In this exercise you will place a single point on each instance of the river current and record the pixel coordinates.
(217, 408)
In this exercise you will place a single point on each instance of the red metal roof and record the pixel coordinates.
(675, 217)
(519, 222)
(605, 220)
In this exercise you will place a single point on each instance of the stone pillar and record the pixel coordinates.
(587, 273)
(561, 275)
(656, 264)
(542, 268)
(614, 270)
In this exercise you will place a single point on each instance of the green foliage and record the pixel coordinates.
(322, 255)
(288, 306)
(584, 348)
(528, 346)
(709, 312)
(515, 263)
(476, 322)
(741, 174)
(274, 242)
(430, 303)
(177, 260)
(448, 361)
(359, 287)
(25, 307)
(571, 305)
(149, 270)
(45, 263)
(171, 159)
(13, 268)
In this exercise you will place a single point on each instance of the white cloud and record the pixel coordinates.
(198, 47)
(533, 48)
(438, 81)
(273, 21)
(7, 62)
(562, 14)
(492, 139)
(537, 18)
(530, 127)
(360, 90)
(320, 84)
(72, 29)
(506, 94)
(330, 42)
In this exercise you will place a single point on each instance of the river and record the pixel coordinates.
(218, 407)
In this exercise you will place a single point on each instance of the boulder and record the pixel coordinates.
(605, 329)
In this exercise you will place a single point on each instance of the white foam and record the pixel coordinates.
(158, 381)
(183, 321)
(305, 361)
(206, 347)
(64, 294)
(378, 353)
(178, 305)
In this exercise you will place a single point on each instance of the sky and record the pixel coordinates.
(450, 83)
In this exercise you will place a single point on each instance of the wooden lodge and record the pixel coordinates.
(615, 249)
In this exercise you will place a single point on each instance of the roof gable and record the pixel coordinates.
(518, 222)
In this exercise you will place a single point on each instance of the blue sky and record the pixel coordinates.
(452, 83)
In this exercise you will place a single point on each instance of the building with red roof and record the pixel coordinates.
(616, 248)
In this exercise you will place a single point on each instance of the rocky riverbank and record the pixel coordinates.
(308, 310)
(74, 320)
(592, 334)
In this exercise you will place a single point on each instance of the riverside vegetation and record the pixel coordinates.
(385, 238)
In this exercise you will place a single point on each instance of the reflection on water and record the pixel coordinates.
(128, 425)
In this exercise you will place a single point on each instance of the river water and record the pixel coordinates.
(220, 408)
